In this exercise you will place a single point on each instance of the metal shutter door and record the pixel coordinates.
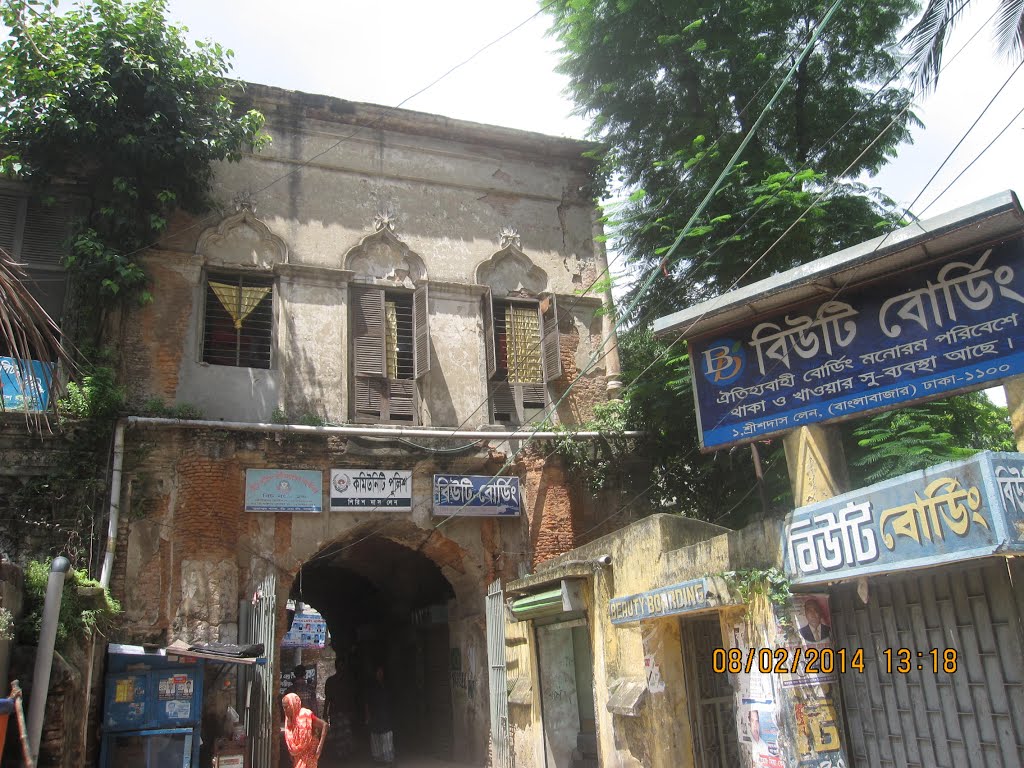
(970, 717)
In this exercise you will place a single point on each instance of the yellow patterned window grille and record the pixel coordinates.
(522, 327)
(391, 338)
(238, 302)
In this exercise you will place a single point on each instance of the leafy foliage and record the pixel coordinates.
(78, 614)
(722, 487)
(673, 89)
(761, 589)
(596, 462)
(896, 442)
(109, 96)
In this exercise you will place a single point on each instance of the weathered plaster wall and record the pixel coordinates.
(640, 561)
(429, 197)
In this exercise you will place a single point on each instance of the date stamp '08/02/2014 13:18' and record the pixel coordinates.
(827, 661)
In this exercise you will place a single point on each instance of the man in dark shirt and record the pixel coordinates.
(378, 718)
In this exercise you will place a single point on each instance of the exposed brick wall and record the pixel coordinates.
(151, 370)
(552, 514)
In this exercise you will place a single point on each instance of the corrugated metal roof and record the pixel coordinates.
(986, 221)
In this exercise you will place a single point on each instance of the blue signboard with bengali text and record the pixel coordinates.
(476, 495)
(950, 512)
(954, 325)
(284, 490)
(25, 384)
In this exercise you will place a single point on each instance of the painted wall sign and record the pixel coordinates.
(952, 326)
(950, 512)
(284, 490)
(476, 496)
(665, 601)
(25, 384)
(371, 490)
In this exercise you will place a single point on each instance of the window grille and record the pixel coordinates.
(239, 319)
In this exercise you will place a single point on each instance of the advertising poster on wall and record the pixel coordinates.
(807, 627)
(760, 733)
(308, 630)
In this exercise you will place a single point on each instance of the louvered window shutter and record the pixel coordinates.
(10, 210)
(550, 346)
(421, 331)
(401, 402)
(503, 403)
(368, 327)
(487, 312)
(370, 397)
(46, 229)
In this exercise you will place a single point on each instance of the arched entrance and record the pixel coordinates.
(386, 606)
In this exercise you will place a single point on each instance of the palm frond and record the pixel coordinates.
(1010, 28)
(925, 42)
(28, 333)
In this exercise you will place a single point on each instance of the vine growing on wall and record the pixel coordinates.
(761, 589)
(596, 462)
(107, 95)
(84, 606)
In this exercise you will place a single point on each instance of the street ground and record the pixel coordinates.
(414, 761)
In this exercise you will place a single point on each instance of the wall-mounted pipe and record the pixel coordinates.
(113, 518)
(44, 652)
(358, 431)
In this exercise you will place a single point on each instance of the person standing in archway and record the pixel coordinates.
(378, 718)
(304, 733)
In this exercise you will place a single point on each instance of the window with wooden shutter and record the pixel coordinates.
(390, 351)
(34, 234)
(238, 320)
(517, 389)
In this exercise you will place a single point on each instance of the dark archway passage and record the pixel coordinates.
(386, 605)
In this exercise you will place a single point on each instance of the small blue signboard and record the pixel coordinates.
(25, 384)
(946, 513)
(284, 490)
(952, 326)
(664, 601)
(476, 495)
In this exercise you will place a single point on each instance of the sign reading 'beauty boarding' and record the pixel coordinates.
(955, 325)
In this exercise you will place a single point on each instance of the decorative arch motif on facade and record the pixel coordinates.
(242, 240)
(510, 272)
(382, 256)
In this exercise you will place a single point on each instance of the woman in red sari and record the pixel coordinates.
(304, 733)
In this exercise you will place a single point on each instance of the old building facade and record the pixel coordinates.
(372, 269)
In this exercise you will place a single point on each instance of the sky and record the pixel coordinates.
(385, 51)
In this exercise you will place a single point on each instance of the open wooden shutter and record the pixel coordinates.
(550, 347)
(368, 327)
(370, 397)
(401, 405)
(421, 331)
(503, 403)
(487, 312)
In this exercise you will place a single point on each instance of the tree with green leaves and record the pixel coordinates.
(673, 89)
(896, 442)
(108, 97)
(108, 102)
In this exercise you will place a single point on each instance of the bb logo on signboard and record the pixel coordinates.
(723, 361)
